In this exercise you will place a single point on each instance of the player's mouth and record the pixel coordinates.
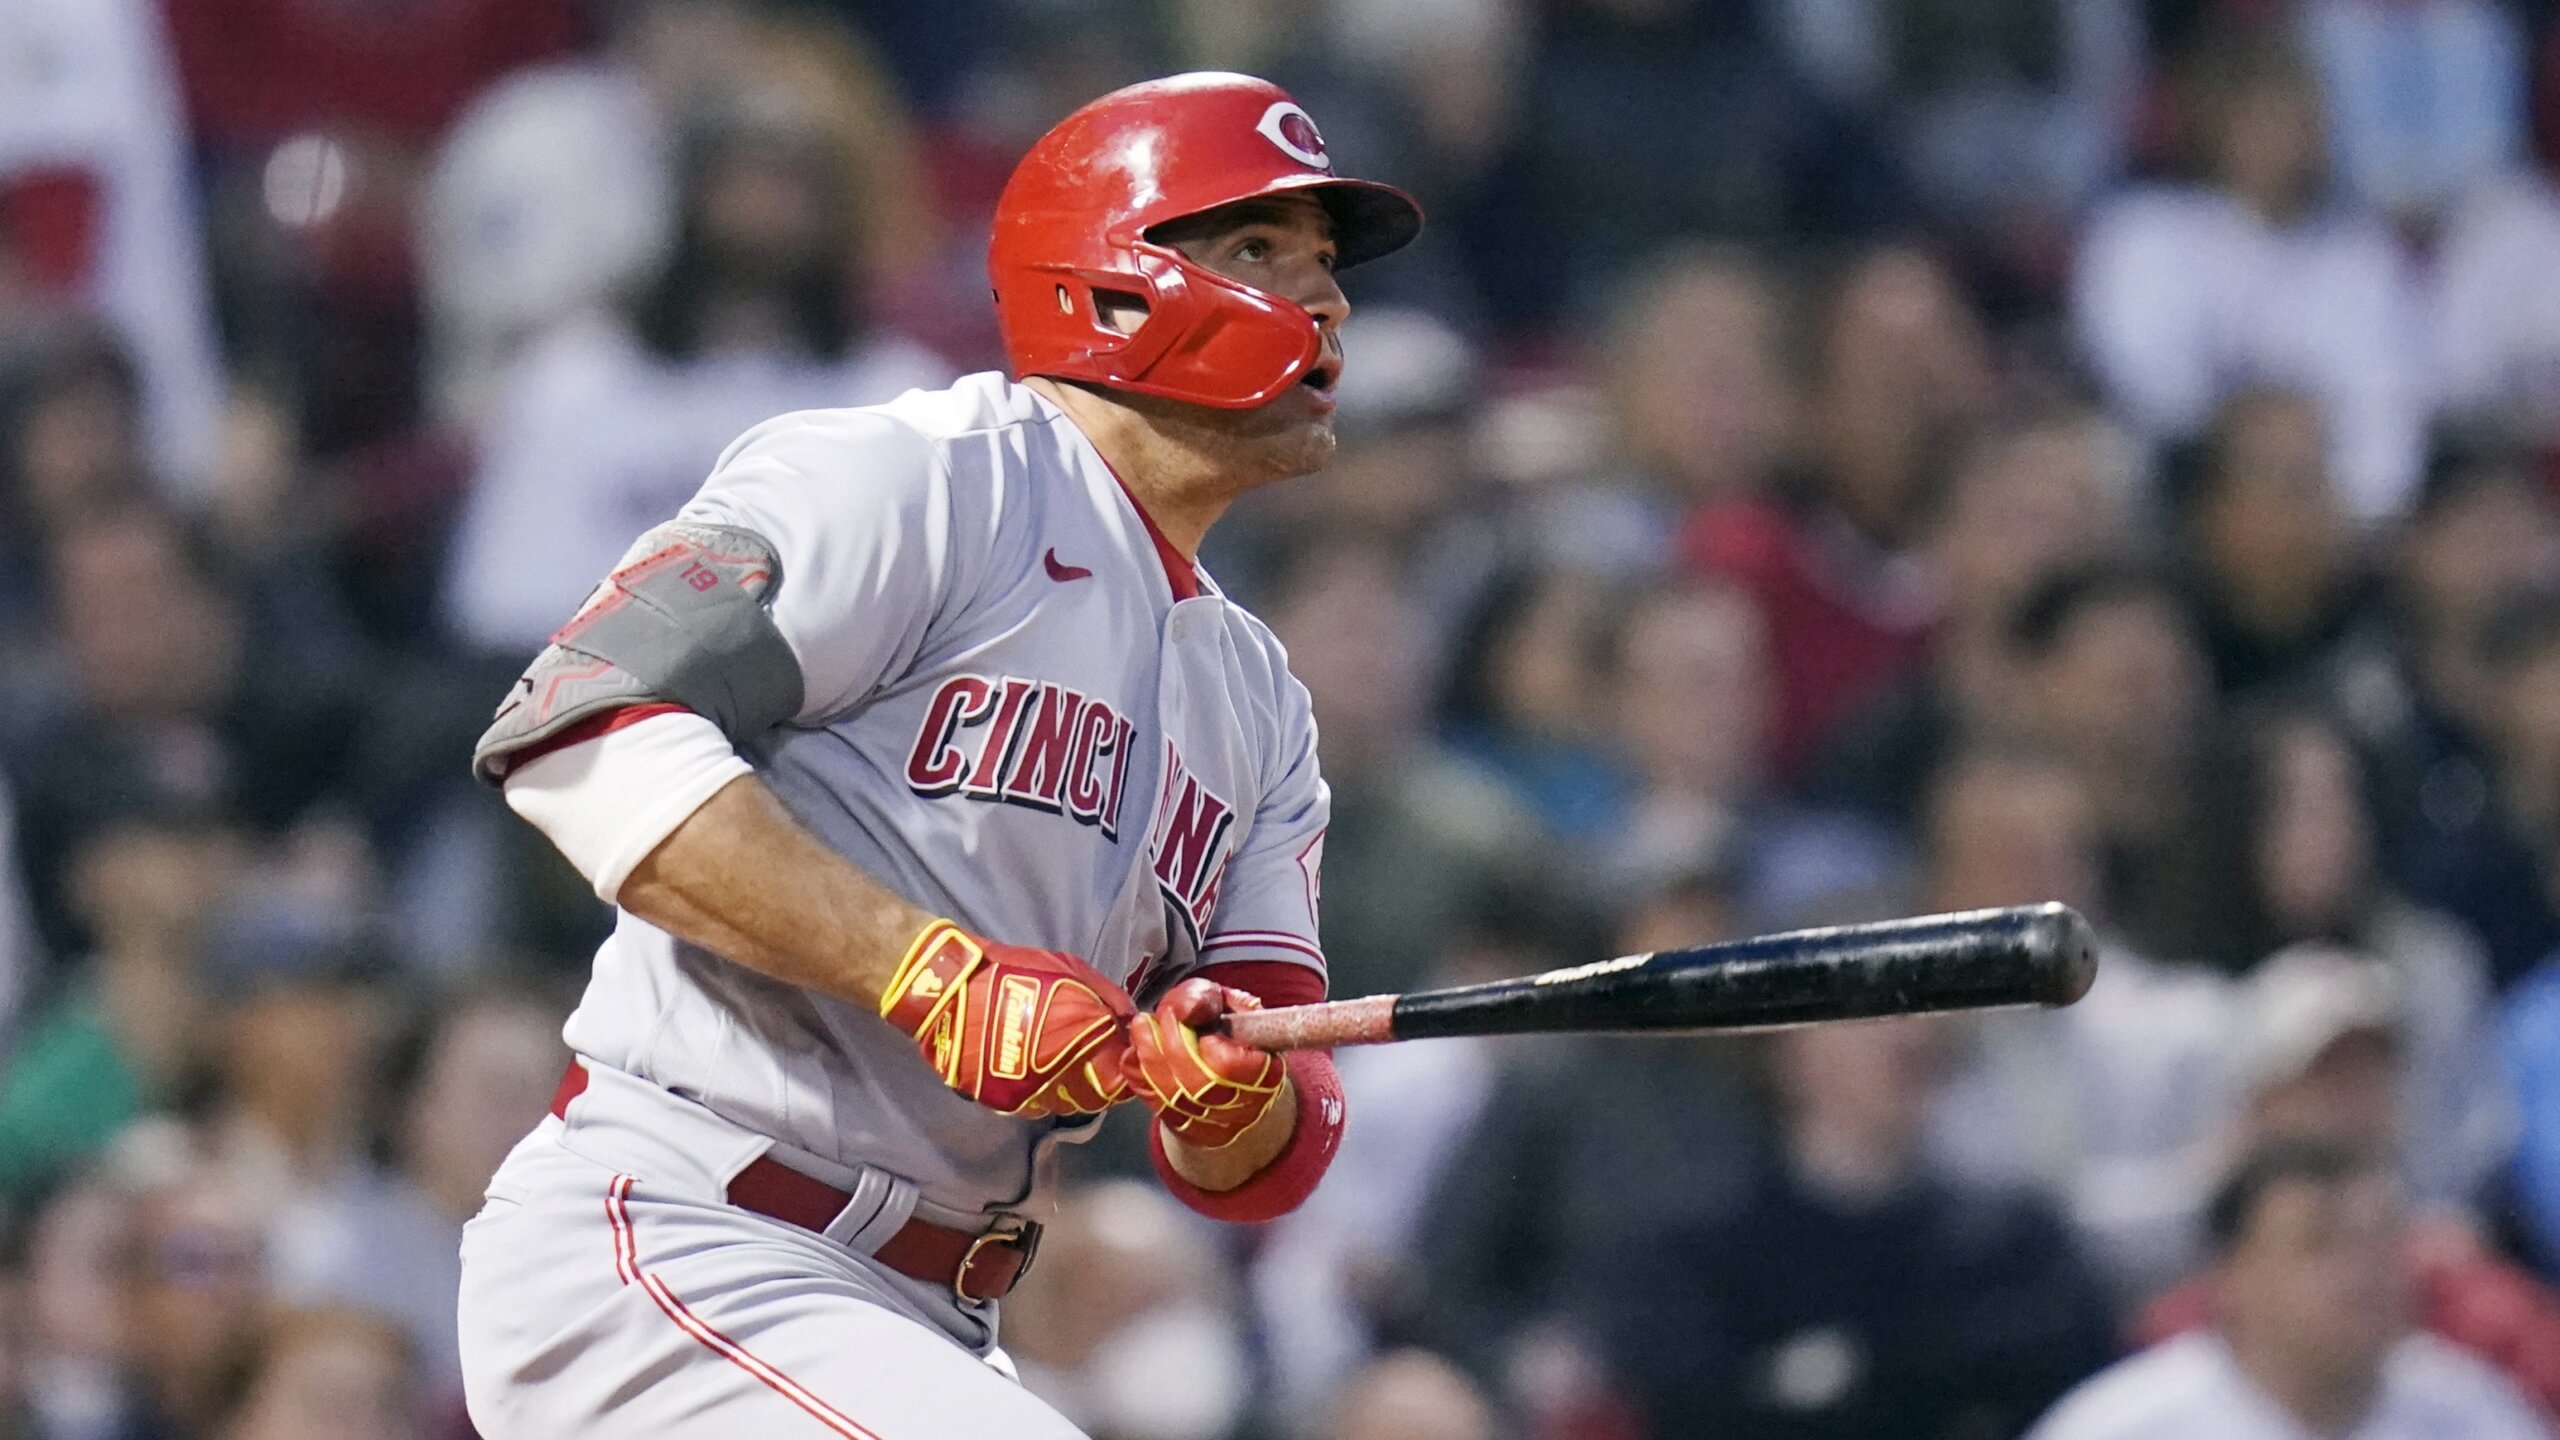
(1319, 382)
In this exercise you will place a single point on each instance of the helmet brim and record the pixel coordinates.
(1369, 219)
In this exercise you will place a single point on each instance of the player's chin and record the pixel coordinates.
(1305, 449)
(1295, 437)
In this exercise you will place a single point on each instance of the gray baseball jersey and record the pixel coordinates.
(1023, 710)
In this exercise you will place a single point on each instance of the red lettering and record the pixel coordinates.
(934, 767)
(1119, 747)
(1001, 733)
(1040, 766)
(1085, 794)
(1194, 825)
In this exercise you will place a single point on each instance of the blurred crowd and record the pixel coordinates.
(1826, 459)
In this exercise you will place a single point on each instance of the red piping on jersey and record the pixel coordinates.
(593, 727)
(1179, 572)
(626, 1264)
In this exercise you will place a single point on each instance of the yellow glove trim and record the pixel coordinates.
(912, 969)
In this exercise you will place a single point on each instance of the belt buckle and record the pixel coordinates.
(1012, 1231)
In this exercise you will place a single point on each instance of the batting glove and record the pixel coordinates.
(1020, 1031)
(1205, 1088)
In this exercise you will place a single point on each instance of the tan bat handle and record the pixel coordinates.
(1369, 1020)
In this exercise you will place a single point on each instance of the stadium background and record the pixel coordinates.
(1826, 458)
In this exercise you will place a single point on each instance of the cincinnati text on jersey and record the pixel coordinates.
(1032, 743)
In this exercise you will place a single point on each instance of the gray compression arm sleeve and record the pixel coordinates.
(685, 620)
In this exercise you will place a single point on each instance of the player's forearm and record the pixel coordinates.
(741, 878)
(1252, 1152)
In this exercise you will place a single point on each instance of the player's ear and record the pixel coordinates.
(1121, 310)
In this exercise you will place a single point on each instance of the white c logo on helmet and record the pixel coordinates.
(1290, 128)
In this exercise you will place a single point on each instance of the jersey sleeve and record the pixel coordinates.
(858, 511)
(1268, 903)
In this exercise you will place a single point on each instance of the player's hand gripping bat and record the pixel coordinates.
(1978, 960)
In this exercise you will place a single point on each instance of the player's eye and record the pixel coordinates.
(1329, 261)
(1254, 250)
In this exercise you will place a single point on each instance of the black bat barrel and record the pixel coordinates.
(1981, 959)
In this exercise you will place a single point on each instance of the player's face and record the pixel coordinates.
(1281, 246)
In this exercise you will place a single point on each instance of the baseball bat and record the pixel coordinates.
(1976, 960)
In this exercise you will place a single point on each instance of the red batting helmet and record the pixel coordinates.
(1074, 218)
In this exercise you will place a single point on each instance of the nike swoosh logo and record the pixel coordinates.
(1061, 571)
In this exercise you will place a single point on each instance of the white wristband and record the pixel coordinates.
(607, 802)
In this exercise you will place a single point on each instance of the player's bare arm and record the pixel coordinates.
(744, 880)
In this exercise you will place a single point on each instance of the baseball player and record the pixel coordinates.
(946, 804)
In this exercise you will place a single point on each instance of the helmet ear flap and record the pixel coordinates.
(1129, 316)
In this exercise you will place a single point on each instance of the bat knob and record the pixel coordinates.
(2064, 948)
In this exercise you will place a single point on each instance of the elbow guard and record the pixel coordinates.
(685, 620)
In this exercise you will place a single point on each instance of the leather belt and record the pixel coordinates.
(978, 1266)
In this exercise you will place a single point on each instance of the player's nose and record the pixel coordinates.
(1320, 294)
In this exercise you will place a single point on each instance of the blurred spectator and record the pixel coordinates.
(1687, 691)
(2491, 864)
(1524, 699)
(2483, 532)
(2273, 575)
(1853, 1291)
(196, 1272)
(299, 1016)
(551, 198)
(1688, 696)
(390, 1241)
(2304, 853)
(1445, 77)
(130, 1035)
(313, 123)
(70, 446)
(2257, 274)
(1419, 839)
(76, 1332)
(1127, 1326)
(327, 1374)
(2038, 493)
(173, 700)
(2426, 99)
(1895, 373)
(2090, 641)
(2116, 1104)
(609, 425)
(1567, 1162)
(97, 211)
(1697, 377)
(2321, 1050)
(2009, 116)
(2325, 1051)
(2497, 299)
(1339, 1278)
(2311, 1334)
(1411, 1395)
(1644, 121)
